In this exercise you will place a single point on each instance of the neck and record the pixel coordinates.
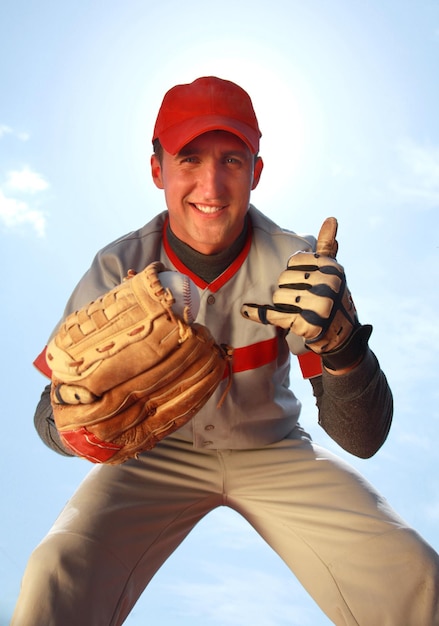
(207, 266)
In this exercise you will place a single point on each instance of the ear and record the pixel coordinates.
(156, 172)
(257, 171)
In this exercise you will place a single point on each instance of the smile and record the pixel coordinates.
(206, 208)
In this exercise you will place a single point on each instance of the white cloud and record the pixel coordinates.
(26, 181)
(418, 181)
(22, 136)
(4, 130)
(7, 130)
(15, 213)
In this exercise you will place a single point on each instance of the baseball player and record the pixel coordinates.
(271, 296)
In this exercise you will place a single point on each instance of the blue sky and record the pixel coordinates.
(346, 93)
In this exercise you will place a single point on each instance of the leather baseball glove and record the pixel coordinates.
(127, 371)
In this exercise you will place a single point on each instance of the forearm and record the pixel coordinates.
(45, 424)
(356, 408)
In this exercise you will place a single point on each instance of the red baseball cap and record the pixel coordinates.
(208, 103)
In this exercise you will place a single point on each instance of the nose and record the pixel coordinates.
(212, 180)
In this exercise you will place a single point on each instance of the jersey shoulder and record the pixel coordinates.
(269, 230)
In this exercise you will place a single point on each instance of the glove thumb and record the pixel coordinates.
(326, 242)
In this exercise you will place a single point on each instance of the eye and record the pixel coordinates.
(232, 160)
(184, 157)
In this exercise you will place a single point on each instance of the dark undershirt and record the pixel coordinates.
(207, 266)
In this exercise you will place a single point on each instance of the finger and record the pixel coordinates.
(266, 314)
(326, 242)
(72, 394)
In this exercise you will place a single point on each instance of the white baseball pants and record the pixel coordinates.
(359, 561)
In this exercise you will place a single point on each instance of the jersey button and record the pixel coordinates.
(209, 427)
(211, 299)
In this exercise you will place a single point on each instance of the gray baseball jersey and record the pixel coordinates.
(260, 407)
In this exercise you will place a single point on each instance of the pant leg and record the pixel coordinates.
(114, 534)
(356, 557)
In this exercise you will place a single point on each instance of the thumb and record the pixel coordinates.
(326, 242)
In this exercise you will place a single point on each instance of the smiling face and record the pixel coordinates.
(207, 188)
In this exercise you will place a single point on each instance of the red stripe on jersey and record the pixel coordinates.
(225, 276)
(310, 364)
(255, 355)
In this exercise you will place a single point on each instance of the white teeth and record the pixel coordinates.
(204, 208)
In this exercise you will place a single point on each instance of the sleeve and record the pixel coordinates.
(45, 424)
(355, 409)
(104, 273)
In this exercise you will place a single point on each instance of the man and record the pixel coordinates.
(360, 562)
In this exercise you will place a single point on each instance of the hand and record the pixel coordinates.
(312, 299)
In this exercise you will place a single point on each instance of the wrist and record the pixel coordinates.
(350, 354)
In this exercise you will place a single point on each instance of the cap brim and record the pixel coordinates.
(173, 139)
